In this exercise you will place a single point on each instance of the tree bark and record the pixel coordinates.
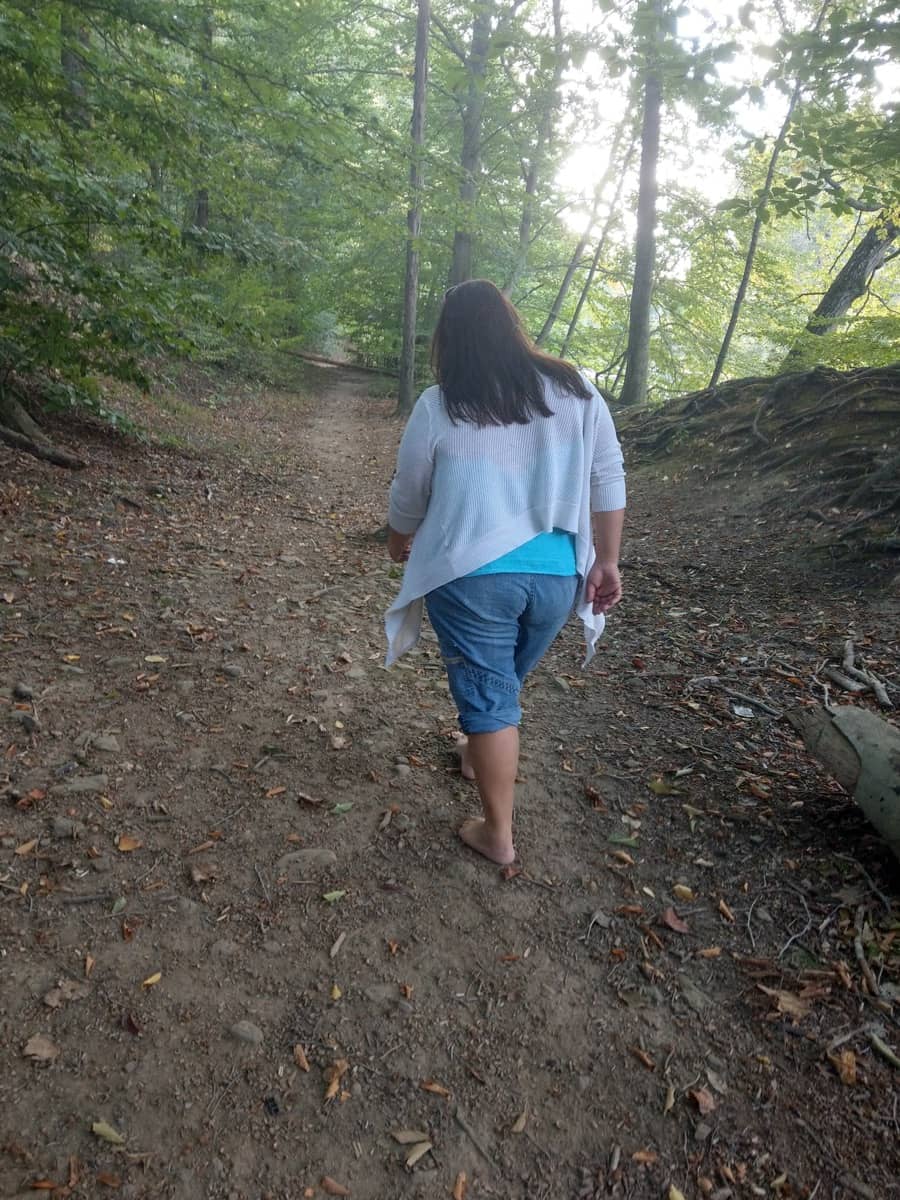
(761, 206)
(598, 250)
(414, 217)
(544, 138)
(848, 285)
(470, 157)
(637, 356)
(73, 38)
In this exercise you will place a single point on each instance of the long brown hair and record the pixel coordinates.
(488, 369)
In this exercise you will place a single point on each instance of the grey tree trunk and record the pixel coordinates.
(761, 206)
(637, 356)
(598, 249)
(414, 217)
(73, 39)
(470, 157)
(541, 150)
(848, 285)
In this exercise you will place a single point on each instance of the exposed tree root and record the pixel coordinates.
(835, 437)
(42, 450)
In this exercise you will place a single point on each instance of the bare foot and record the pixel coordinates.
(474, 833)
(465, 767)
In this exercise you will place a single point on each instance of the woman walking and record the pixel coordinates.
(507, 506)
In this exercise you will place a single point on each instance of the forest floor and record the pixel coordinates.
(243, 954)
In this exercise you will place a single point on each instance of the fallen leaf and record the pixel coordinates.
(648, 1157)
(40, 1048)
(406, 991)
(643, 1057)
(336, 945)
(66, 989)
(343, 807)
(624, 857)
(44, 1185)
(109, 1180)
(674, 1193)
(105, 1131)
(459, 1187)
(630, 910)
(26, 847)
(393, 947)
(726, 911)
(154, 658)
(336, 992)
(333, 1076)
(709, 952)
(126, 843)
(787, 1002)
(332, 1187)
(671, 919)
(670, 1100)
(510, 872)
(89, 964)
(438, 1089)
(845, 1065)
(333, 897)
(682, 892)
(417, 1152)
(518, 1126)
(597, 801)
(152, 980)
(300, 1058)
(275, 791)
(208, 845)
(623, 839)
(661, 787)
(408, 1137)
(704, 1100)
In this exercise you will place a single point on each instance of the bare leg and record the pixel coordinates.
(494, 757)
(465, 766)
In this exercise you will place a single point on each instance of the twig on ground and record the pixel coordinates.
(472, 1136)
(884, 1050)
(262, 884)
(214, 1104)
(860, 953)
(868, 878)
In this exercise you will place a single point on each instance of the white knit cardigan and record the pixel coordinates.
(471, 493)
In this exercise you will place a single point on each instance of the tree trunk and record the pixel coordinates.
(200, 207)
(761, 206)
(73, 37)
(598, 250)
(544, 138)
(19, 430)
(637, 356)
(470, 158)
(414, 217)
(848, 285)
(863, 753)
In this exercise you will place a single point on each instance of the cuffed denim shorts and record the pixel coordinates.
(493, 630)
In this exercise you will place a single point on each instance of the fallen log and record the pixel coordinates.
(862, 751)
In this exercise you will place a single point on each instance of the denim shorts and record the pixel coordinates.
(493, 630)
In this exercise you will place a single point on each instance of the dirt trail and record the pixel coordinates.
(228, 851)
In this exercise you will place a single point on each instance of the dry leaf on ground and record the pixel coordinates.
(704, 1100)
(417, 1152)
(40, 1048)
(300, 1058)
(460, 1186)
(671, 919)
(409, 1137)
(105, 1131)
(845, 1065)
(333, 1076)
(332, 1187)
(438, 1089)
(127, 843)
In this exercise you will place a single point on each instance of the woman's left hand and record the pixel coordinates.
(399, 545)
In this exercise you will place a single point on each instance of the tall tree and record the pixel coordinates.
(637, 355)
(414, 216)
(851, 282)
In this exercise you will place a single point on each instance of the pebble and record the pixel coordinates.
(307, 859)
(85, 783)
(402, 769)
(63, 827)
(29, 723)
(246, 1031)
(107, 743)
(357, 673)
(22, 691)
(233, 670)
(7, 843)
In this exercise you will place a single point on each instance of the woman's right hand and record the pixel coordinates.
(399, 545)
(603, 589)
